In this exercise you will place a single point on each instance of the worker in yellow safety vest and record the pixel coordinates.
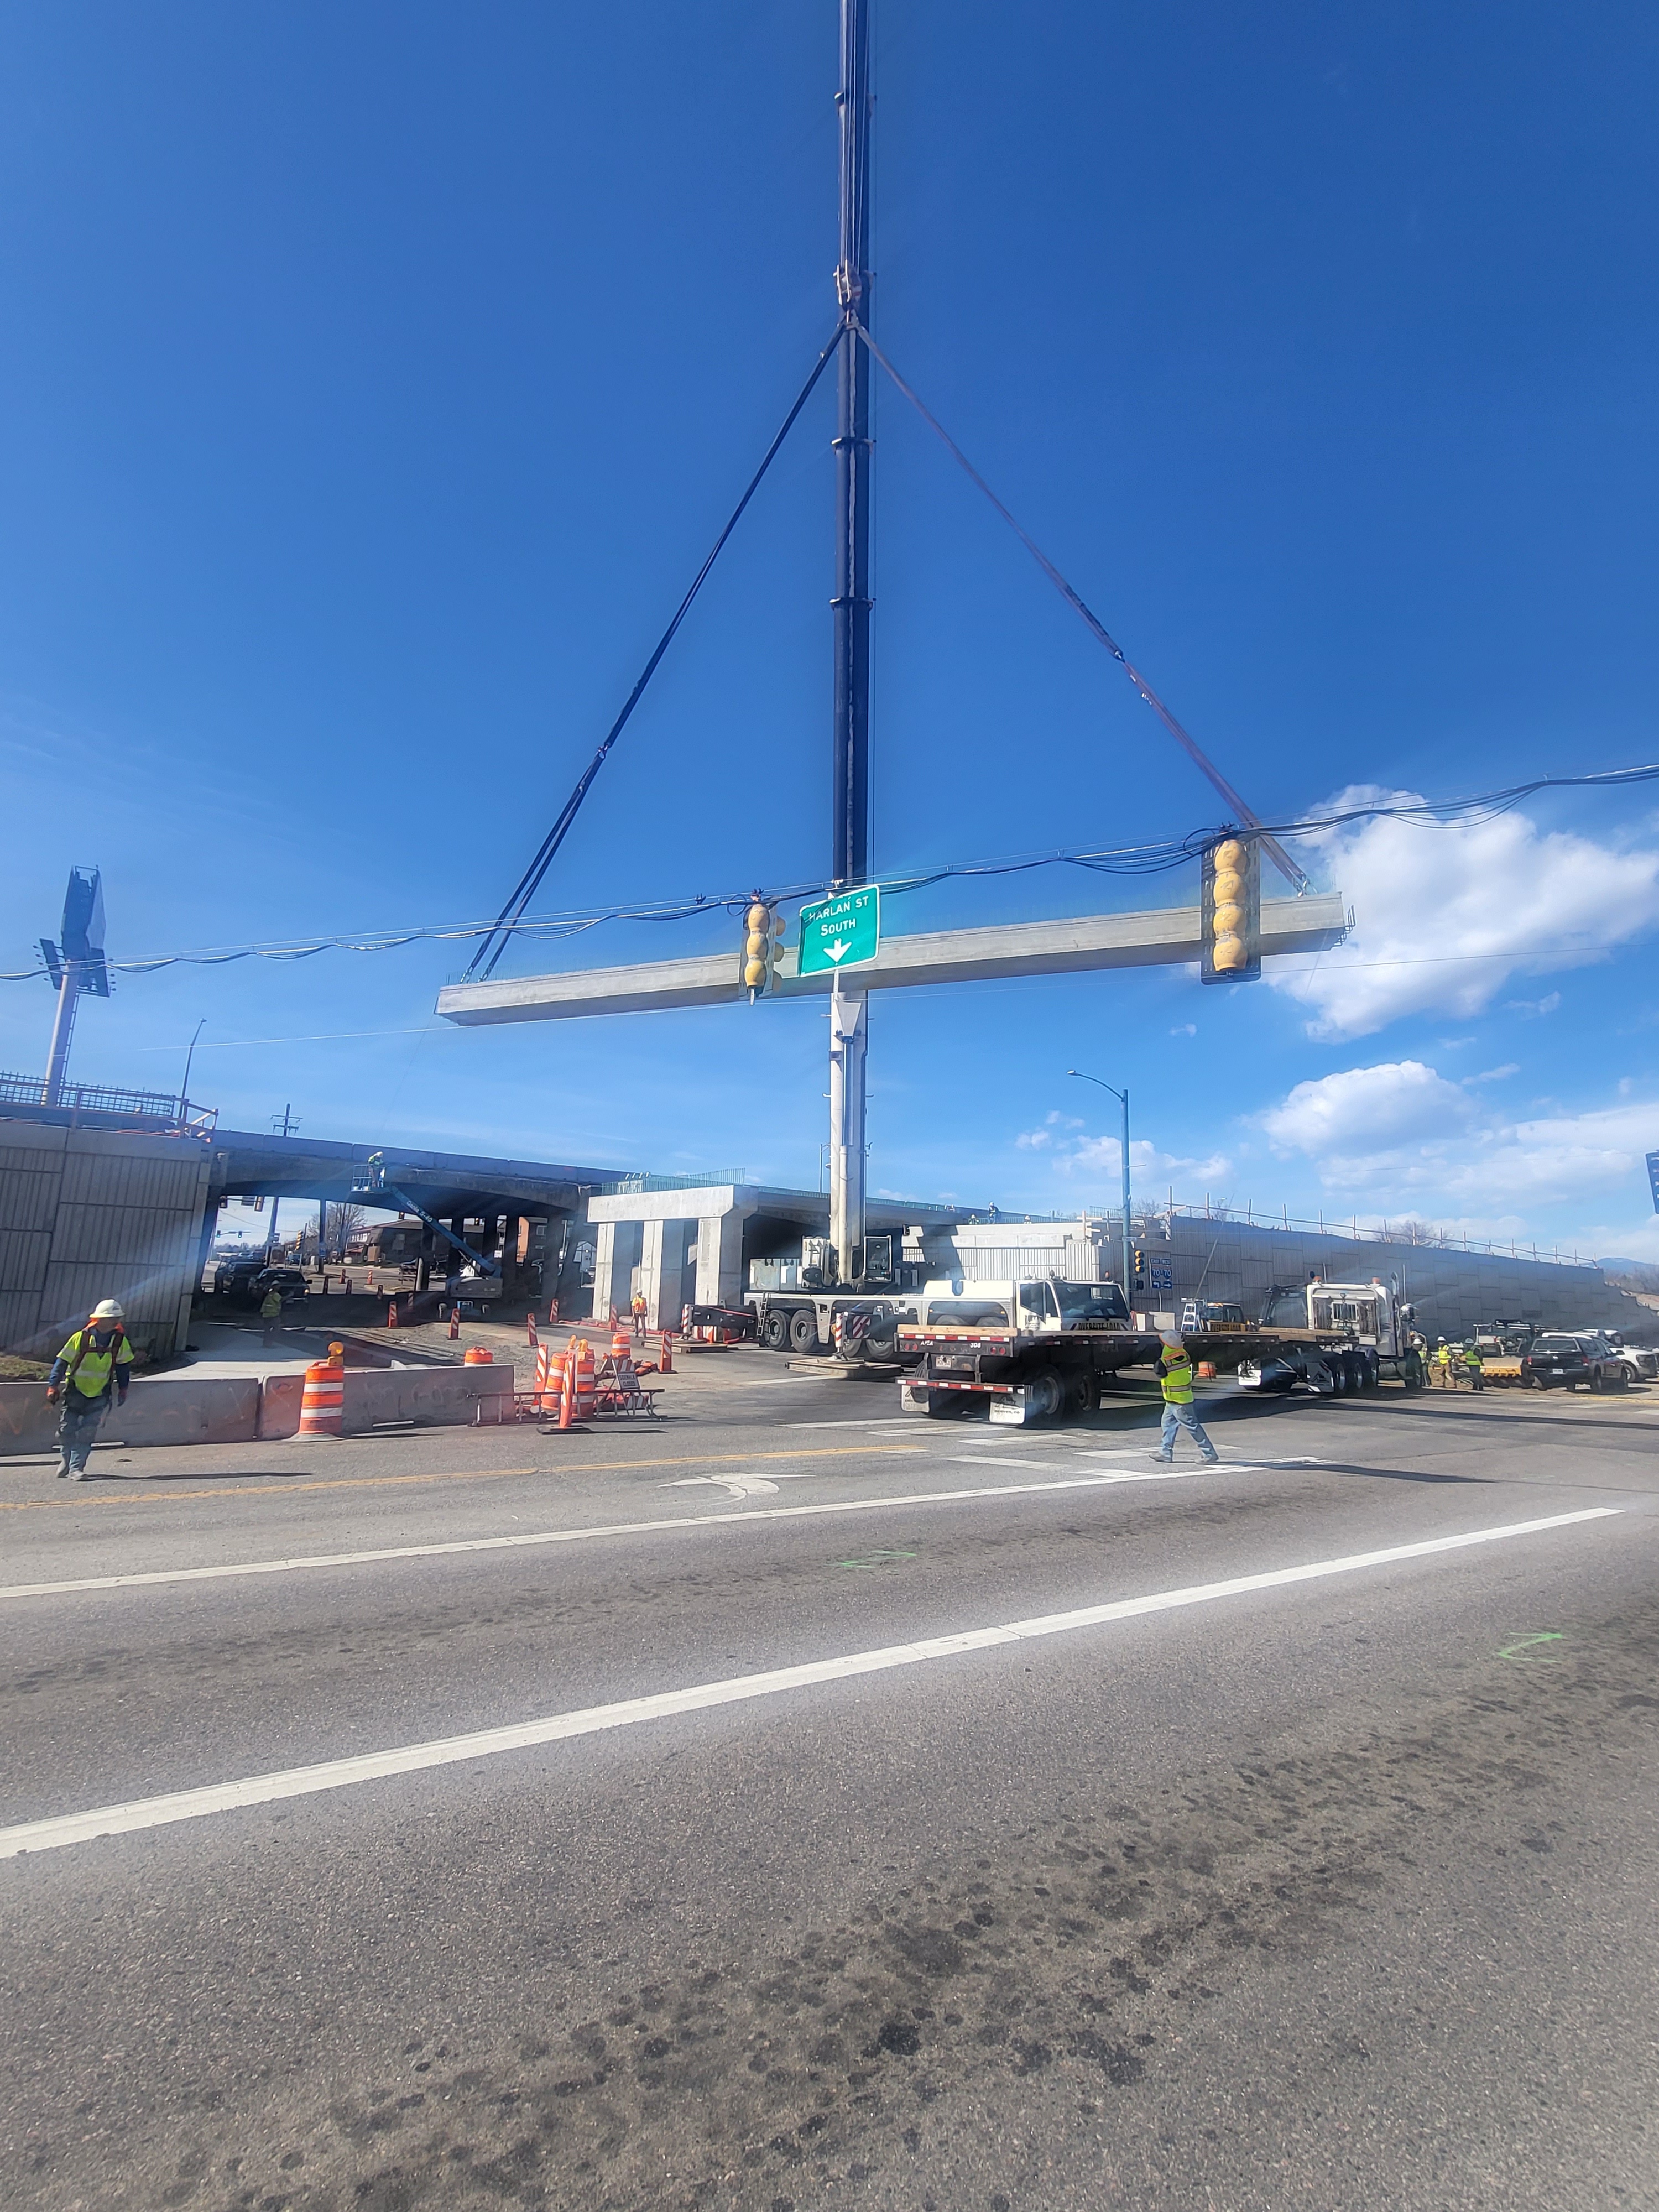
(1175, 1372)
(88, 1376)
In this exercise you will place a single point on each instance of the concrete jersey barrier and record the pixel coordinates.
(199, 1409)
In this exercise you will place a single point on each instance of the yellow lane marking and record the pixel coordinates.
(279, 1488)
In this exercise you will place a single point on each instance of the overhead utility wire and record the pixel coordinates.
(529, 882)
(1121, 860)
(1280, 857)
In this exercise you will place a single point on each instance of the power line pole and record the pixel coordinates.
(850, 861)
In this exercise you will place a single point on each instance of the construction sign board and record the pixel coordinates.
(840, 931)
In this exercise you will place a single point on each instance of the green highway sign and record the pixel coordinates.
(840, 931)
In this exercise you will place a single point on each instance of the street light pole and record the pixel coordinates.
(1124, 1096)
(184, 1094)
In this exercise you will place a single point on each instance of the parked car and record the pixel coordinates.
(231, 1278)
(1560, 1362)
(1641, 1363)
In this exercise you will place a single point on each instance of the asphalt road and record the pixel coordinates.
(791, 1805)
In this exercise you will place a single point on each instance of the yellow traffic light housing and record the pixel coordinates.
(760, 949)
(1231, 924)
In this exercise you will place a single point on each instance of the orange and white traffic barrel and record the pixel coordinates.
(322, 1409)
(584, 1378)
(550, 1377)
(477, 1355)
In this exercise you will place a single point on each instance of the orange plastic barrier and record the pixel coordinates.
(322, 1407)
(477, 1355)
(550, 1378)
(582, 1393)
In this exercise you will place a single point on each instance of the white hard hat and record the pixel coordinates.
(1174, 1343)
(109, 1309)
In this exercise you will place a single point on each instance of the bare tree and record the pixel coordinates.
(343, 1222)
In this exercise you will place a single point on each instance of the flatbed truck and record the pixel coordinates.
(1036, 1351)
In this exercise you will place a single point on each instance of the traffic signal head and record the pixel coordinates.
(1231, 924)
(760, 952)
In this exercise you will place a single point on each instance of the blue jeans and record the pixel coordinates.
(1176, 1417)
(79, 1419)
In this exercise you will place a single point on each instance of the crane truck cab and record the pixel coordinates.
(1030, 1350)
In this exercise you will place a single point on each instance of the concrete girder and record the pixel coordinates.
(1166, 937)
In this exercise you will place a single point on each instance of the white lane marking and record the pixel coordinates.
(531, 1539)
(55, 1834)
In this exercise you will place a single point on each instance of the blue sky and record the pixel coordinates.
(377, 377)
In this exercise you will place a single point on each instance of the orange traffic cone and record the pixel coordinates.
(454, 1324)
(665, 1364)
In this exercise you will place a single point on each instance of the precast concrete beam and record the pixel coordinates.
(1167, 937)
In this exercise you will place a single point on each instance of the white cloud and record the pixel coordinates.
(1366, 1109)
(1444, 916)
(1400, 1139)
(1149, 1167)
(1185, 1029)
(1495, 1074)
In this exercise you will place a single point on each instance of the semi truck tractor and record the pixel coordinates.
(1034, 1351)
(1330, 1338)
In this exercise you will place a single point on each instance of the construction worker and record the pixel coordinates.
(90, 1373)
(271, 1313)
(1442, 1364)
(637, 1308)
(1473, 1365)
(1175, 1373)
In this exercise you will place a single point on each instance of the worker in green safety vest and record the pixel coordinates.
(1175, 1373)
(88, 1376)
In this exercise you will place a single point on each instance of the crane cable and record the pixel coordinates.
(496, 941)
(1281, 859)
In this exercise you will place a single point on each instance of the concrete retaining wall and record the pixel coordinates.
(94, 1214)
(184, 1410)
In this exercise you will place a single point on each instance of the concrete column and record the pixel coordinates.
(720, 1257)
(662, 1271)
(848, 1033)
(604, 1269)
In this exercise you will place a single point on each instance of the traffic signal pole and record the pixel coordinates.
(850, 736)
(63, 1029)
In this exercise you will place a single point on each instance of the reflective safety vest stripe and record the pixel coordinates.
(1178, 1383)
(90, 1366)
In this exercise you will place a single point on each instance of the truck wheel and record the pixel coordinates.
(1083, 1391)
(803, 1330)
(775, 1331)
(1045, 1395)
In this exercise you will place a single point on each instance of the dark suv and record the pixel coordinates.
(1558, 1363)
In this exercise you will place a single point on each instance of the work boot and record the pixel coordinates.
(62, 1470)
